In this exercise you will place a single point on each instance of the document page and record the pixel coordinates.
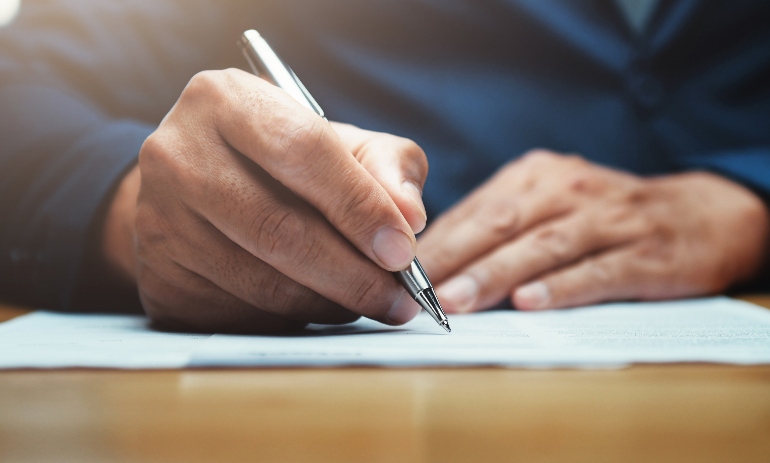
(56, 340)
(702, 330)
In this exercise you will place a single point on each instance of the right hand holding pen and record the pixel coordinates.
(254, 214)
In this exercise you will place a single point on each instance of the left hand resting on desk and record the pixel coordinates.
(551, 231)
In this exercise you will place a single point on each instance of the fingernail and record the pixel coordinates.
(459, 294)
(414, 193)
(533, 296)
(393, 248)
(403, 310)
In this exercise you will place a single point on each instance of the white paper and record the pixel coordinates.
(703, 330)
(55, 340)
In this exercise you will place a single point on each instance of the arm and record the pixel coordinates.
(247, 212)
(82, 84)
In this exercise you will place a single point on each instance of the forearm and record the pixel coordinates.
(75, 108)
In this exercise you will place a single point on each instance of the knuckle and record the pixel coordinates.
(278, 231)
(361, 212)
(586, 182)
(637, 195)
(311, 252)
(281, 293)
(580, 183)
(411, 149)
(154, 151)
(206, 85)
(300, 139)
(210, 95)
(574, 160)
(502, 218)
(539, 155)
(409, 146)
(367, 293)
(417, 160)
(553, 244)
(286, 236)
(167, 180)
(162, 160)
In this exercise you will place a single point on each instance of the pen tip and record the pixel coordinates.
(445, 325)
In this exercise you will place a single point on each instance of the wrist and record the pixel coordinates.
(117, 235)
(740, 223)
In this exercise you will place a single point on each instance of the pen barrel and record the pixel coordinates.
(266, 64)
(414, 279)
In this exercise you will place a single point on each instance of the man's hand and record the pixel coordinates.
(551, 231)
(248, 212)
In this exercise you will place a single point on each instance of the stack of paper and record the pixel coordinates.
(703, 330)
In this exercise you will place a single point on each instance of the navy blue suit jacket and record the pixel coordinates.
(475, 82)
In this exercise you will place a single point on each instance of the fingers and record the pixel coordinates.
(547, 247)
(640, 271)
(398, 164)
(217, 259)
(609, 276)
(247, 190)
(520, 196)
(175, 298)
(678, 254)
(306, 155)
(277, 228)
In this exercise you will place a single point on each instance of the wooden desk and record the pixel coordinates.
(673, 413)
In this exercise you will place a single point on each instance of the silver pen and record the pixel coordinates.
(266, 64)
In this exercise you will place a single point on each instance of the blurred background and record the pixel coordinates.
(8, 9)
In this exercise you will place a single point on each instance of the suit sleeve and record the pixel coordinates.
(82, 84)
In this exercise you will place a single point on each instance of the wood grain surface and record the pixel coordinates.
(646, 413)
